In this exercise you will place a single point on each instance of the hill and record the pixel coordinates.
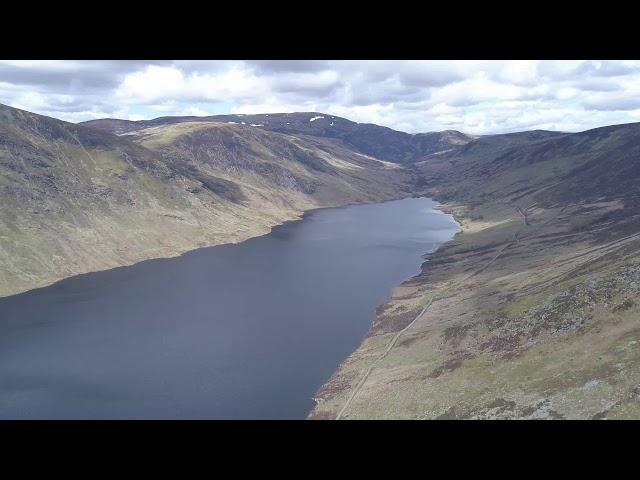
(531, 311)
(78, 199)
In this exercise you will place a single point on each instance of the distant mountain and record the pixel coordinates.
(379, 142)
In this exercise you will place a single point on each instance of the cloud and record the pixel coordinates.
(475, 96)
(615, 103)
(317, 83)
(520, 72)
(281, 66)
(609, 68)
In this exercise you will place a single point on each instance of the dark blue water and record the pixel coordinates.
(235, 331)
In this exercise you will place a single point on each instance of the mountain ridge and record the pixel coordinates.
(378, 141)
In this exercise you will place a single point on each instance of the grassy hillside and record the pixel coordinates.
(532, 310)
(76, 199)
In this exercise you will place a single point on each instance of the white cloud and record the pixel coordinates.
(152, 84)
(196, 112)
(520, 72)
(475, 96)
(566, 93)
(160, 83)
(477, 90)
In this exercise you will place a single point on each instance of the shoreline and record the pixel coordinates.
(299, 216)
(337, 385)
(422, 260)
(458, 220)
(514, 309)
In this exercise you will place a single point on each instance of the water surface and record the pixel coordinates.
(250, 330)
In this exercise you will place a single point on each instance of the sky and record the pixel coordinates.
(476, 97)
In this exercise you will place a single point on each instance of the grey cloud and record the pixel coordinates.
(428, 77)
(596, 85)
(604, 69)
(51, 80)
(613, 104)
(411, 74)
(559, 69)
(366, 71)
(80, 76)
(277, 66)
(365, 96)
(201, 66)
(300, 87)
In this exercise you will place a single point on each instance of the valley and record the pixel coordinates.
(529, 312)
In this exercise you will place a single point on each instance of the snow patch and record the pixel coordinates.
(314, 119)
(257, 125)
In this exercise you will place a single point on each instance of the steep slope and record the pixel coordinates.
(270, 164)
(598, 163)
(76, 199)
(531, 311)
(380, 142)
